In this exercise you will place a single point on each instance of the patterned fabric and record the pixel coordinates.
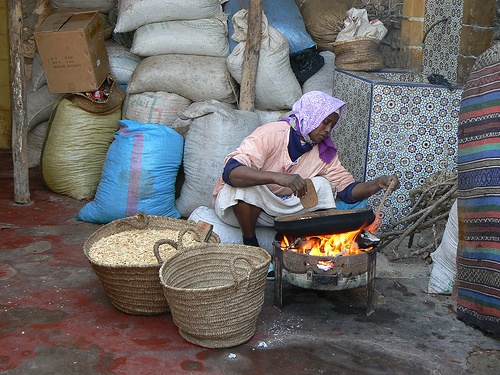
(478, 258)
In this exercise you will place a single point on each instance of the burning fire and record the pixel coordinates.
(330, 245)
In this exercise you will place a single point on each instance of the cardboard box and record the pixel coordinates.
(73, 51)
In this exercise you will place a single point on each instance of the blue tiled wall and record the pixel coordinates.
(395, 125)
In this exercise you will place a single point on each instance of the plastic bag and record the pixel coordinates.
(357, 25)
(444, 267)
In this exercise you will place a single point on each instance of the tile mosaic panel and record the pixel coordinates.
(398, 76)
(442, 43)
(410, 130)
(351, 135)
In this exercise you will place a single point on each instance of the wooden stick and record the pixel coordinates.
(251, 56)
(386, 194)
(18, 95)
(382, 202)
(418, 251)
(419, 213)
(422, 218)
(423, 194)
(425, 225)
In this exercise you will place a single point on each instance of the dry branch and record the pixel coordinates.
(430, 204)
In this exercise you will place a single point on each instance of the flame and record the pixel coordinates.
(327, 245)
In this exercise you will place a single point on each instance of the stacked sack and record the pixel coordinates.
(184, 47)
(39, 103)
(144, 159)
(70, 134)
(276, 87)
(324, 19)
(183, 74)
(78, 136)
(183, 82)
(285, 47)
(89, 152)
(188, 79)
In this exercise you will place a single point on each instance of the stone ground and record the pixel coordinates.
(55, 317)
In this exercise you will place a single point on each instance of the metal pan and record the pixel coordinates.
(324, 222)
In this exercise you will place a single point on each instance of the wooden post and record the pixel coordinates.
(251, 56)
(18, 95)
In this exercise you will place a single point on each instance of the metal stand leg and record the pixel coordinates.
(370, 284)
(278, 274)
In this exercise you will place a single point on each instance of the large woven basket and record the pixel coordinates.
(216, 292)
(137, 289)
(359, 54)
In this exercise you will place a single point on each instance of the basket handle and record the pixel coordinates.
(164, 241)
(233, 270)
(141, 221)
(178, 243)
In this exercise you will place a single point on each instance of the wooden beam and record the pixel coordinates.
(251, 56)
(18, 97)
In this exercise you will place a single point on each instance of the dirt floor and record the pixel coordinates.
(56, 318)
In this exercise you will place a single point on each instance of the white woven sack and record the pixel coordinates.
(122, 62)
(154, 107)
(215, 130)
(39, 104)
(268, 116)
(276, 87)
(197, 78)
(322, 80)
(207, 36)
(34, 143)
(104, 6)
(444, 258)
(133, 14)
(37, 78)
(230, 234)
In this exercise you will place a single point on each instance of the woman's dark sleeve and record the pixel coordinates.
(230, 165)
(346, 194)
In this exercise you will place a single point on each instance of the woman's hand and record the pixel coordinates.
(244, 176)
(364, 190)
(385, 182)
(295, 182)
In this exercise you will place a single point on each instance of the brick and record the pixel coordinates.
(4, 30)
(414, 8)
(465, 64)
(412, 33)
(5, 96)
(479, 12)
(5, 129)
(5, 71)
(474, 41)
(412, 56)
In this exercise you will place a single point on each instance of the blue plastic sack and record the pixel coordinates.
(283, 15)
(139, 174)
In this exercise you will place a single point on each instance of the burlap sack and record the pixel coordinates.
(324, 19)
